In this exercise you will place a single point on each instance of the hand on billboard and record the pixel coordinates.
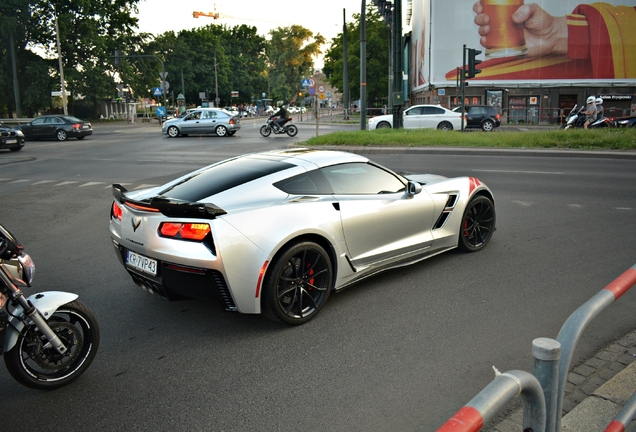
(545, 34)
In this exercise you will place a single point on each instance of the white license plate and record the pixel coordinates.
(84, 126)
(12, 141)
(140, 262)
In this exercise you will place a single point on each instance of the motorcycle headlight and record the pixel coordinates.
(28, 268)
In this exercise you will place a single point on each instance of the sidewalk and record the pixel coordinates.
(597, 389)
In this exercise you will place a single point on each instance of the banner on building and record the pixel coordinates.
(543, 41)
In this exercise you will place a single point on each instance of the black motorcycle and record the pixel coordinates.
(287, 128)
(47, 339)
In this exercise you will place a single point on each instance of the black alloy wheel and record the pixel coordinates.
(478, 224)
(297, 284)
(445, 126)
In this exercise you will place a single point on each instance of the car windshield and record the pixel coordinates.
(221, 177)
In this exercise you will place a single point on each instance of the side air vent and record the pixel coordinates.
(448, 209)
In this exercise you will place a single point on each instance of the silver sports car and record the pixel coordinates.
(277, 232)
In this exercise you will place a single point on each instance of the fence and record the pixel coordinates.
(549, 116)
(551, 363)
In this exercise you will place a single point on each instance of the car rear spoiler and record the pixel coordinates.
(170, 207)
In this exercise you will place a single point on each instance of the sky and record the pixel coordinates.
(323, 16)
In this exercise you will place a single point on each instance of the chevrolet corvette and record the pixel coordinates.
(277, 232)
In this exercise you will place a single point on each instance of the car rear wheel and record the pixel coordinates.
(478, 224)
(445, 126)
(61, 135)
(173, 132)
(487, 126)
(383, 125)
(221, 131)
(297, 284)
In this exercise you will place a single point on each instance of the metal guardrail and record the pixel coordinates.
(551, 363)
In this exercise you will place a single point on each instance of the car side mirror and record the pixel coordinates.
(413, 188)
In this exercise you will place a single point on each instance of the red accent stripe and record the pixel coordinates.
(623, 283)
(615, 426)
(467, 419)
(260, 279)
(474, 183)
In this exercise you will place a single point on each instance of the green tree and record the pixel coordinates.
(290, 54)
(377, 34)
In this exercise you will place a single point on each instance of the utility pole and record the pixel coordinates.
(16, 88)
(59, 58)
(363, 67)
(398, 64)
(345, 68)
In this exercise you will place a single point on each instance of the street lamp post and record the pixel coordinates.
(59, 58)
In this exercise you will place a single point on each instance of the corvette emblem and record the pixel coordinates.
(135, 224)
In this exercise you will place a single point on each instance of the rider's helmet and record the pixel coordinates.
(591, 100)
(599, 101)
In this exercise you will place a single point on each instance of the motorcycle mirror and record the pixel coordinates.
(9, 245)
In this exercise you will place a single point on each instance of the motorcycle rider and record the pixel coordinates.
(283, 117)
(600, 111)
(590, 111)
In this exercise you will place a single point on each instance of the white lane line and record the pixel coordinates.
(523, 203)
(624, 208)
(43, 182)
(91, 184)
(66, 183)
(122, 184)
(143, 186)
(19, 181)
(521, 172)
(575, 205)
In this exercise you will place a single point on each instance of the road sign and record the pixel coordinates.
(328, 93)
(234, 93)
(312, 90)
(321, 89)
(312, 83)
(161, 111)
(306, 83)
(321, 96)
(157, 91)
(165, 85)
(163, 75)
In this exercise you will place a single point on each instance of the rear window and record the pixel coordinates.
(223, 176)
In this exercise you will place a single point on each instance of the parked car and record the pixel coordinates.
(276, 232)
(11, 138)
(421, 116)
(202, 121)
(59, 127)
(484, 117)
(625, 121)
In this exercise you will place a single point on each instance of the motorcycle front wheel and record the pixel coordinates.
(266, 130)
(292, 130)
(33, 364)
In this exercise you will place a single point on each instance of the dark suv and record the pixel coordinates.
(484, 117)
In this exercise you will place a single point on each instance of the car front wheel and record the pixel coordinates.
(297, 284)
(221, 131)
(487, 126)
(173, 132)
(383, 125)
(478, 224)
(445, 126)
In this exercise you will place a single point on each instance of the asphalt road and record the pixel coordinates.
(401, 351)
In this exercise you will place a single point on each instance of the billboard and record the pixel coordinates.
(548, 42)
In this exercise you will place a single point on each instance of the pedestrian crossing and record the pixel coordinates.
(72, 183)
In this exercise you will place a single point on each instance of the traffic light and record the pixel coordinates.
(472, 62)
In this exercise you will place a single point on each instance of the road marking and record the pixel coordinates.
(143, 186)
(624, 208)
(43, 181)
(521, 172)
(91, 184)
(575, 205)
(66, 183)
(19, 181)
(121, 184)
(523, 203)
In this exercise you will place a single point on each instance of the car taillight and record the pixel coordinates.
(231, 121)
(116, 211)
(77, 126)
(185, 231)
(497, 116)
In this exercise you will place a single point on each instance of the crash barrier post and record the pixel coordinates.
(624, 417)
(573, 328)
(546, 354)
(493, 397)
